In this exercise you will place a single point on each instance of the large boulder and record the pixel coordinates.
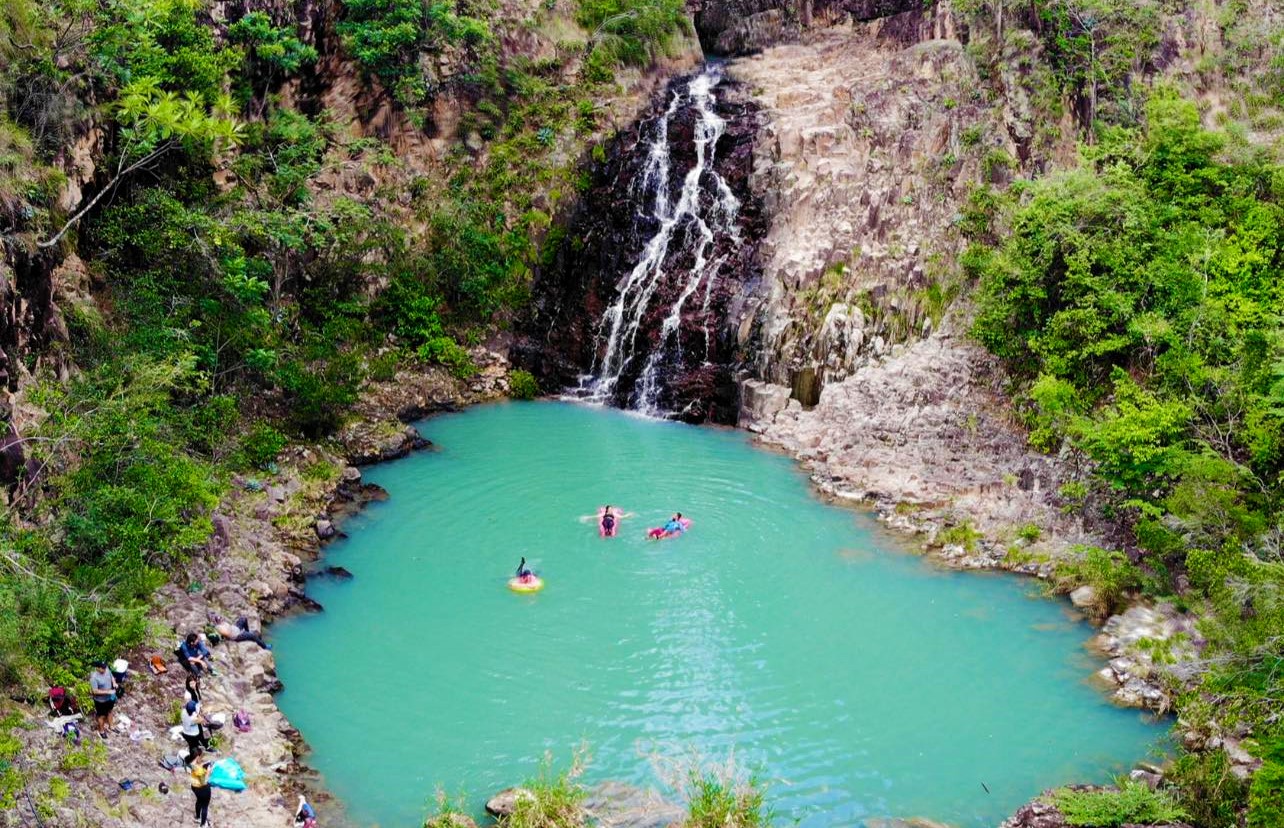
(760, 402)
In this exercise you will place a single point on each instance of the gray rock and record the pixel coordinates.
(325, 529)
(351, 474)
(1084, 597)
(760, 402)
(450, 821)
(502, 804)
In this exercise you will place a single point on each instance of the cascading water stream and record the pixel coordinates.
(675, 262)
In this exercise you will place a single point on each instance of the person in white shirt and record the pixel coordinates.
(192, 733)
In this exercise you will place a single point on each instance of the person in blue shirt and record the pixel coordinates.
(194, 655)
(674, 526)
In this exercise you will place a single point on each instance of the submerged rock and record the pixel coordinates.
(451, 821)
(620, 805)
(901, 822)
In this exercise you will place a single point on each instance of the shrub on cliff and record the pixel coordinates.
(522, 385)
(387, 36)
(1137, 303)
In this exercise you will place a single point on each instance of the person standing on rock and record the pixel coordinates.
(201, 786)
(191, 719)
(102, 686)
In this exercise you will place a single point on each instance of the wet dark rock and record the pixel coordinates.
(271, 685)
(297, 599)
(350, 500)
(336, 572)
(605, 238)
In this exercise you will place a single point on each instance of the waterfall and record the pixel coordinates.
(677, 262)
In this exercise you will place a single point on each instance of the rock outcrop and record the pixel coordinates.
(872, 137)
(608, 235)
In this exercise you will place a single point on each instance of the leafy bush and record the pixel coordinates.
(261, 445)
(319, 394)
(960, 534)
(629, 32)
(1131, 802)
(1111, 575)
(522, 385)
(276, 47)
(448, 352)
(1137, 304)
(387, 36)
(1266, 794)
(1029, 533)
(1210, 793)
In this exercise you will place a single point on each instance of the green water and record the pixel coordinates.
(859, 680)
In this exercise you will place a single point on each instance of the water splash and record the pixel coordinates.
(686, 228)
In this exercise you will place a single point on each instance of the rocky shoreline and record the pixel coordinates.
(267, 532)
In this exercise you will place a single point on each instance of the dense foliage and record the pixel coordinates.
(239, 305)
(1138, 304)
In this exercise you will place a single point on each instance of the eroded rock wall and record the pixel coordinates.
(873, 136)
(605, 239)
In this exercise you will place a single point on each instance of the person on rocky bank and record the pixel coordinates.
(191, 719)
(195, 656)
(102, 686)
(201, 786)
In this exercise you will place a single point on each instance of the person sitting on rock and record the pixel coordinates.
(239, 632)
(195, 656)
(61, 703)
(304, 815)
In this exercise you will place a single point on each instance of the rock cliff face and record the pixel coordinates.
(652, 289)
(873, 137)
(739, 27)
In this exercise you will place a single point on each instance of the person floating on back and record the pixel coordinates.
(676, 525)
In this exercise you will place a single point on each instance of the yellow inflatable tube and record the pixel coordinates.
(531, 584)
